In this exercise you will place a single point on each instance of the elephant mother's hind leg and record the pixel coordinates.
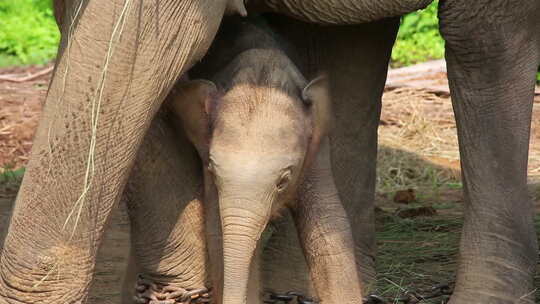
(492, 51)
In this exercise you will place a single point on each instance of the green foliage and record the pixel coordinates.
(28, 32)
(418, 38)
(7, 175)
(415, 254)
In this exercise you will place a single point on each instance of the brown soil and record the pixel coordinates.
(417, 130)
(20, 106)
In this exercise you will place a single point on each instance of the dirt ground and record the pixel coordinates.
(20, 107)
(418, 150)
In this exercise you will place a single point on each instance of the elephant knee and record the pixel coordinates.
(65, 269)
(66, 262)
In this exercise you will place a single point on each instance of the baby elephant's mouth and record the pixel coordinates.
(149, 292)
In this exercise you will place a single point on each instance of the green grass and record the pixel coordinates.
(9, 176)
(28, 32)
(415, 254)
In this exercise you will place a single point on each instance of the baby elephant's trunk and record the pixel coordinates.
(242, 228)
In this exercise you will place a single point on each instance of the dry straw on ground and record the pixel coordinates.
(417, 141)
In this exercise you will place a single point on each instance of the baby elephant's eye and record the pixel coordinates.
(284, 180)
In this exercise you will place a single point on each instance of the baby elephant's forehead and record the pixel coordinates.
(260, 119)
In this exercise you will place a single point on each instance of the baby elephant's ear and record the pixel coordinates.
(236, 7)
(317, 95)
(191, 102)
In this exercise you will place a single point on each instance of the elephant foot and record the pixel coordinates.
(148, 292)
(476, 297)
(479, 297)
(367, 273)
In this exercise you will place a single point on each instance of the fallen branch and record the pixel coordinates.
(13, 78)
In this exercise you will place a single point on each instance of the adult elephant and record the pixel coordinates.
(118, 60)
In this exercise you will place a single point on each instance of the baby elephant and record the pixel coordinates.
(260, 130)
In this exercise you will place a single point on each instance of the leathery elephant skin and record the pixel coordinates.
(120, 58)
(117, 61)
(261, 131)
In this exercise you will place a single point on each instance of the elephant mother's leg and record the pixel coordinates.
(493, 51)
(356, 60)
(166, 214)
(118, 60)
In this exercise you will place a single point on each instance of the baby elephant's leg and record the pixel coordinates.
(167, 225)
(325, 235)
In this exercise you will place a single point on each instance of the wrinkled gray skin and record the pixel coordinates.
(119, 59)
(260, 129)
(163, 197)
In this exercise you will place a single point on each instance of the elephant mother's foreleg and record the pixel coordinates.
(118, 62)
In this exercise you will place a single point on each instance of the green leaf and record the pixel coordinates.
(28, 31)
(418, 38)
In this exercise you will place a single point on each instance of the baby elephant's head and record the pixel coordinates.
(256, 134)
